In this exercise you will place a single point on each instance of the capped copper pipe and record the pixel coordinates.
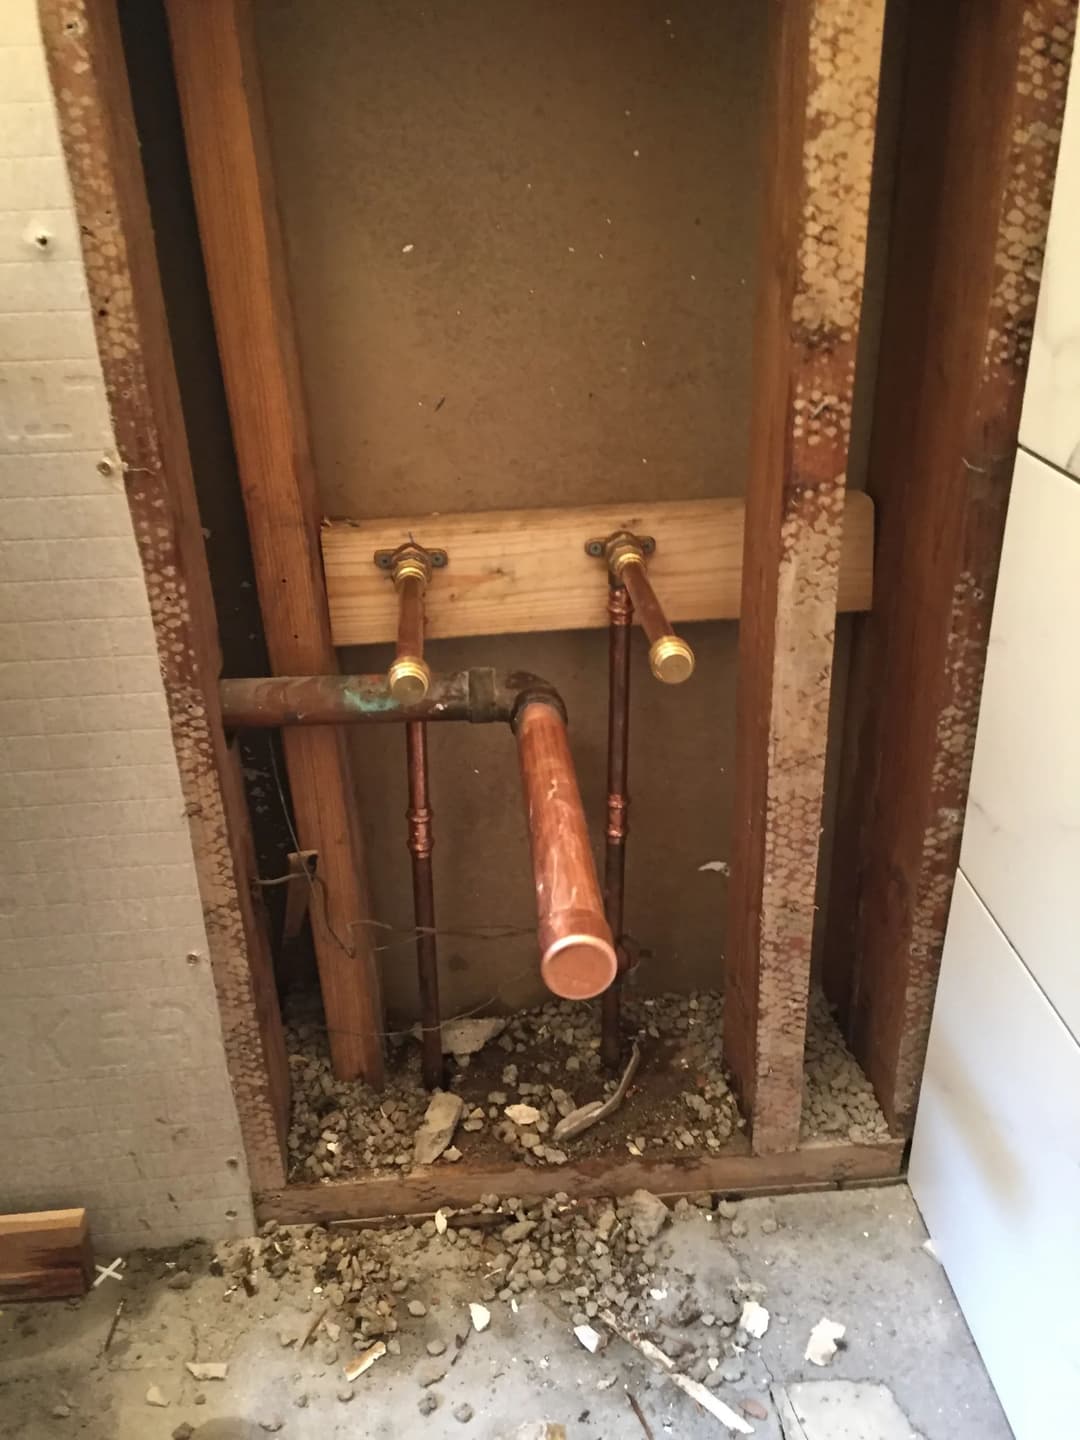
(421, 844)
(409, 675)
(620, 616)
(670, 657)
(577, 959)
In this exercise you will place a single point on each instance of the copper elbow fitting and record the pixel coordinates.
(577, 954)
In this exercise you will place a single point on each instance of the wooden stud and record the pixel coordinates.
(825, 62)
(733, 1170)
(86, 63)
(514, 571)
(984, 81)
(220, 97)
(45, 1255)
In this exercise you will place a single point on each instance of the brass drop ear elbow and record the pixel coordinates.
(409, 676)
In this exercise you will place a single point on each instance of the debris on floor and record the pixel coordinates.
(677, 1277)
(824, 1341)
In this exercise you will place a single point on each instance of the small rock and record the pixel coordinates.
(768, 1227)
(428, 1404)
(301, 1401)
(522, 1114)
(272, 1426)
(154, 1396)
(480, 1315)
(648, 1214)
(436, 1347)
(207, 1370)
(430, 1372)
(417, 1308)
(738, 1228)
(727, 1210)
(183, 1431)
(438, 1126)
(61, 1412)
(180, 1281)
(463, 1412)
(754, 1408)
(345, 1395)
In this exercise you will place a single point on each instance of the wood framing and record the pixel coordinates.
(513, 571)
(826, 57)
(812, 1166)
(86, 63)
(45, 1255)
(220, 97)
(966, 253)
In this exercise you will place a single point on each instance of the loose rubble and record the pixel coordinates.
(526, 1088)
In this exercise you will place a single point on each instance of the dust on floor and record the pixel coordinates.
(856, 1257)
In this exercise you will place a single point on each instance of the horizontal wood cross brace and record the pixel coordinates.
(512, 571)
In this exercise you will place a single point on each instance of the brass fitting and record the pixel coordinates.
(671, 659)
(409, 678)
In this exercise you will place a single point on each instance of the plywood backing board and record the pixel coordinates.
(86, 62)
(551, 399)
(220, 94)
(45, 1255)
(516, 571)
(960, 302)
(824, 73)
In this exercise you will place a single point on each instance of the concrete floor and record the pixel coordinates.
(855, 1256)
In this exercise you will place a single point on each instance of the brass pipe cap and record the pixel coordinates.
(671, 660)
(410, 679)
(623, 553)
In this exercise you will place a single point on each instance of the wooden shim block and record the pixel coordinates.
(45, 1255)
(965, 256)
(86, 63)
(513, 571)
(221, 101)
(733, 1170)
(824, 76)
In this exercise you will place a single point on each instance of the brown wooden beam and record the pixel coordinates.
(985, 89)
(825, 60)
(86, 63)
(220, 97)
(733, 1171)
(45, 1255)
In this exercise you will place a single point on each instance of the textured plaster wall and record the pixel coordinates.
(113, 1087)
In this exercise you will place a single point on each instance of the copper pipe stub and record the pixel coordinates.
(670, 657)
(410, 567)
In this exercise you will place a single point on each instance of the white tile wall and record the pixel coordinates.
(115, 1093)
(995, 1168)
(1051, 420)
(1021, 847)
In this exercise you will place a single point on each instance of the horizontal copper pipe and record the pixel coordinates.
(670, 657)
(481, 695)
(577, 958)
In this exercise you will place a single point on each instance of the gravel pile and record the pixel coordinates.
(838, 1099)
(544, 1065)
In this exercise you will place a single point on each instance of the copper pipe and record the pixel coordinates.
(421, 843)
(482, 696)
(620, 617)
(670, 657)
(409, 676)
(577, 957)
(577, 952)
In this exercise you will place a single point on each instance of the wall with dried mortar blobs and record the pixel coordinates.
(115, 1091)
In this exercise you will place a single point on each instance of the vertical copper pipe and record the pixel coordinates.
(409, 675)
(577, 954)
(620, 616)
(421, 842)
(671, 658)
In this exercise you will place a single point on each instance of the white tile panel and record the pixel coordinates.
(995, 1169)
(1021, 846)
